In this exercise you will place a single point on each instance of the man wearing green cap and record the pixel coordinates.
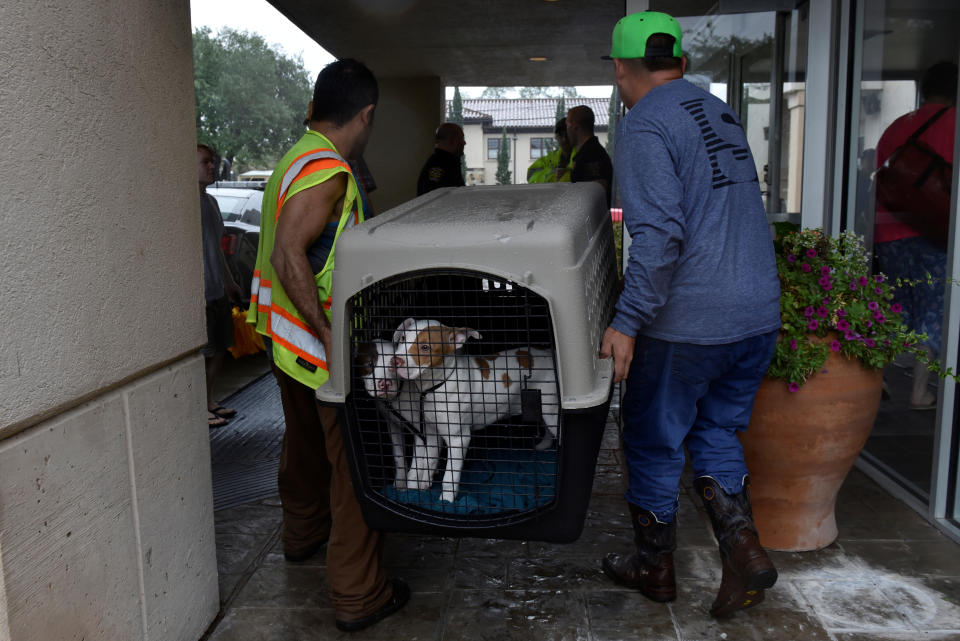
(697, 321)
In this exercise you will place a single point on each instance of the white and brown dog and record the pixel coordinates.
(461, 393)
(398, 403)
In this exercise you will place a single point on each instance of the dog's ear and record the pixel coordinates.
(404, 326)
(364, 354)
(459, 335)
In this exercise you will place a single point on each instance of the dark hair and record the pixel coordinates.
(343, 88)
(939, 81)
(201, 145)
(561, 128)
(655, 63)
(583, 116)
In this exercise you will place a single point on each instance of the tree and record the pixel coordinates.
(503, 161)
(456, 116)
(495, 92)
(561, 108)
(250, 99)
(547, 92)
(614, 114)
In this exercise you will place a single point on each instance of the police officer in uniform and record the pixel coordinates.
(442, 168)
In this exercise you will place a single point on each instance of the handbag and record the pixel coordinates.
(914, 185)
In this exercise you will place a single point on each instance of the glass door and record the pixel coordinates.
(755, 61)
(904, 74)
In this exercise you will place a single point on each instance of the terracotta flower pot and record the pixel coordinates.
(801, 445)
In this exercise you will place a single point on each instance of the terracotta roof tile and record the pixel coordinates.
(528, 112)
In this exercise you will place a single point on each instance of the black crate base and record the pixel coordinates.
(557, 519)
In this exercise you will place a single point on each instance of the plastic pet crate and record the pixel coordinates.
(496, 399)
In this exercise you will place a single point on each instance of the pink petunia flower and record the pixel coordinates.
(813, 325)
(835, 346)
(896, 308)
(809, 311)
(791, 258)
(841, 313)
(793, 387)
(843, 325)
(863, 281)
(870, 342)
(812, 253)
(793, 344)
(805, 267)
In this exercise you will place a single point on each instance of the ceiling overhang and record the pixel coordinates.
(487, 43)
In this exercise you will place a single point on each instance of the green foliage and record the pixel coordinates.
(456, 116)
(495, 92)
(830, 302)
(503, 161)
(561, 108)
(614, 113)
(456, 108)
(250, 99)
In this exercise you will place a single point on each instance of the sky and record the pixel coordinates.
(259, 16)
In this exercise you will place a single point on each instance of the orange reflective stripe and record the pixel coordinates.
(310, 168)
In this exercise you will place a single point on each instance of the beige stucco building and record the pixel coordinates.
(529, 124)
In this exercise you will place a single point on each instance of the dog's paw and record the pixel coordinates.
(544, 444)
(400, 483)
(449, 497)
(418, 482)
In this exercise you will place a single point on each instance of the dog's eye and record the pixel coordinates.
(424, 347)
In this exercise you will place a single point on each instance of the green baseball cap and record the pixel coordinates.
(631, 33)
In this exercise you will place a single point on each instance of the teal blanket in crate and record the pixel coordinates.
(492, 481)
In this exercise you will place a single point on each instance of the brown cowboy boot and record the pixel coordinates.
(650, 568)
(747, 570)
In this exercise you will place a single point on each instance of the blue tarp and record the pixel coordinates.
(493, 481)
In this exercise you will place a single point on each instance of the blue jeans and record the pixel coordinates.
(698, 396)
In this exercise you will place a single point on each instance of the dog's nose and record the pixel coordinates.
(396, 361)
(384, 384)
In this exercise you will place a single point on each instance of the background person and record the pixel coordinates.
(555, 166)
(696, 323)
(902, 250)
(442, 168)
(309, 200)
(219, 288)
(592, 162)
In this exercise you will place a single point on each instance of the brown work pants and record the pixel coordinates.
(318, 501)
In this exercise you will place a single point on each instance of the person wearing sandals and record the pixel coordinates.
(219, 288)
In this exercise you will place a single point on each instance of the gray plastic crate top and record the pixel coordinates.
(555, 239)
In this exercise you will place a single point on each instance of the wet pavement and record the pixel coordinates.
(889, 576)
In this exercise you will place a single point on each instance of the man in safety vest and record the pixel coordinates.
(309, 200)
(555, 166)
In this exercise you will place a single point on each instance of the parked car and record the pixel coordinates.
(240, 208)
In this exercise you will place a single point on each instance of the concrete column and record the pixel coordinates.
(106, 524)
(409, 111)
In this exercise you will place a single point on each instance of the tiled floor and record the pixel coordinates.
(890, 576)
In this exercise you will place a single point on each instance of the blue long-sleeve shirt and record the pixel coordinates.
(702, 268)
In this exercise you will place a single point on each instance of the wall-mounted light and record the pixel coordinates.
(538, 58)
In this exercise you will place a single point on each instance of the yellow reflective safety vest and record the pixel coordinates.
(544, 169)
(297, 349)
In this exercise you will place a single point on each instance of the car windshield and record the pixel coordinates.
(251, 210)
(231, 207)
